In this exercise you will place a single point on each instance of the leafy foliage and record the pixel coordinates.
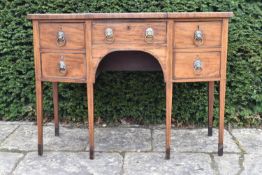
(140, 96)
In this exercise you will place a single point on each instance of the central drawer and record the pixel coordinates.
(129, 32)
(63, 66)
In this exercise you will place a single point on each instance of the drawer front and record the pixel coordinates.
(196, 65)
(197, 34)
(62, 36)
(129, 32)
(63, 66)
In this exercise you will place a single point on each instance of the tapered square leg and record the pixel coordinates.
(222, 93)
(169, 93)
(210, 106)
(40, 149)
(55, 102)
(91, 153)
(220, 149)
(209, 131)
(57, 131)
(39, 113)
(168, 153)
(90, 94)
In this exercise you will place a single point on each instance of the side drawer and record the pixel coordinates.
(63, 66)
(129, 32)
(62, 36)
(189, 34)
(196, 65)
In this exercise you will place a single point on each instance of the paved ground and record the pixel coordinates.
(127, 150)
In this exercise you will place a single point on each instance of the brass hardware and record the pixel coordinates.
(197, 65)
(149, 35)
(62, 68)
(198, 37)
(61, 41)
(109, 34)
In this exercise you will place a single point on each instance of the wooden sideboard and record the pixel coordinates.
(187, 47)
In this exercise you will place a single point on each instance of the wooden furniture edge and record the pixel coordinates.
(148, 15)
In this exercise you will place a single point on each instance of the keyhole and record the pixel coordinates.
(60, 28)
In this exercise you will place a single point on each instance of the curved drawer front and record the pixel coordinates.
(196, 65)
(129, 32)
(62, 36)
(197, 34)
(63, 66)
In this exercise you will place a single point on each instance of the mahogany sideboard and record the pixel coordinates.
(188, 47)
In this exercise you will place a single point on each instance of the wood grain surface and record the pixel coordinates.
(143, 15)
(173, 47)
(183, 65)
(184, 34)
(74, 35)
(75, 65)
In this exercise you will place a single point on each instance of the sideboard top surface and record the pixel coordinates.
(147, 15)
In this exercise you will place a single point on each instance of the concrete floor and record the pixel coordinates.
(126, 150)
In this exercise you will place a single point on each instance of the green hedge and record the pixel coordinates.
(139, 96)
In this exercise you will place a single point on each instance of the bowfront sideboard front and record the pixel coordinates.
(188, 47)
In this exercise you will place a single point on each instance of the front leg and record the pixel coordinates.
(169, 93)
(210, 106)
(39, 113)
(55, 101)
(222, 94)
(90, 94)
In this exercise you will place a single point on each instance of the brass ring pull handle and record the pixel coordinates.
(197, 65)
(198, 37)
(60, 38)
(109, 34)
(62, 68)
(149, 35)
